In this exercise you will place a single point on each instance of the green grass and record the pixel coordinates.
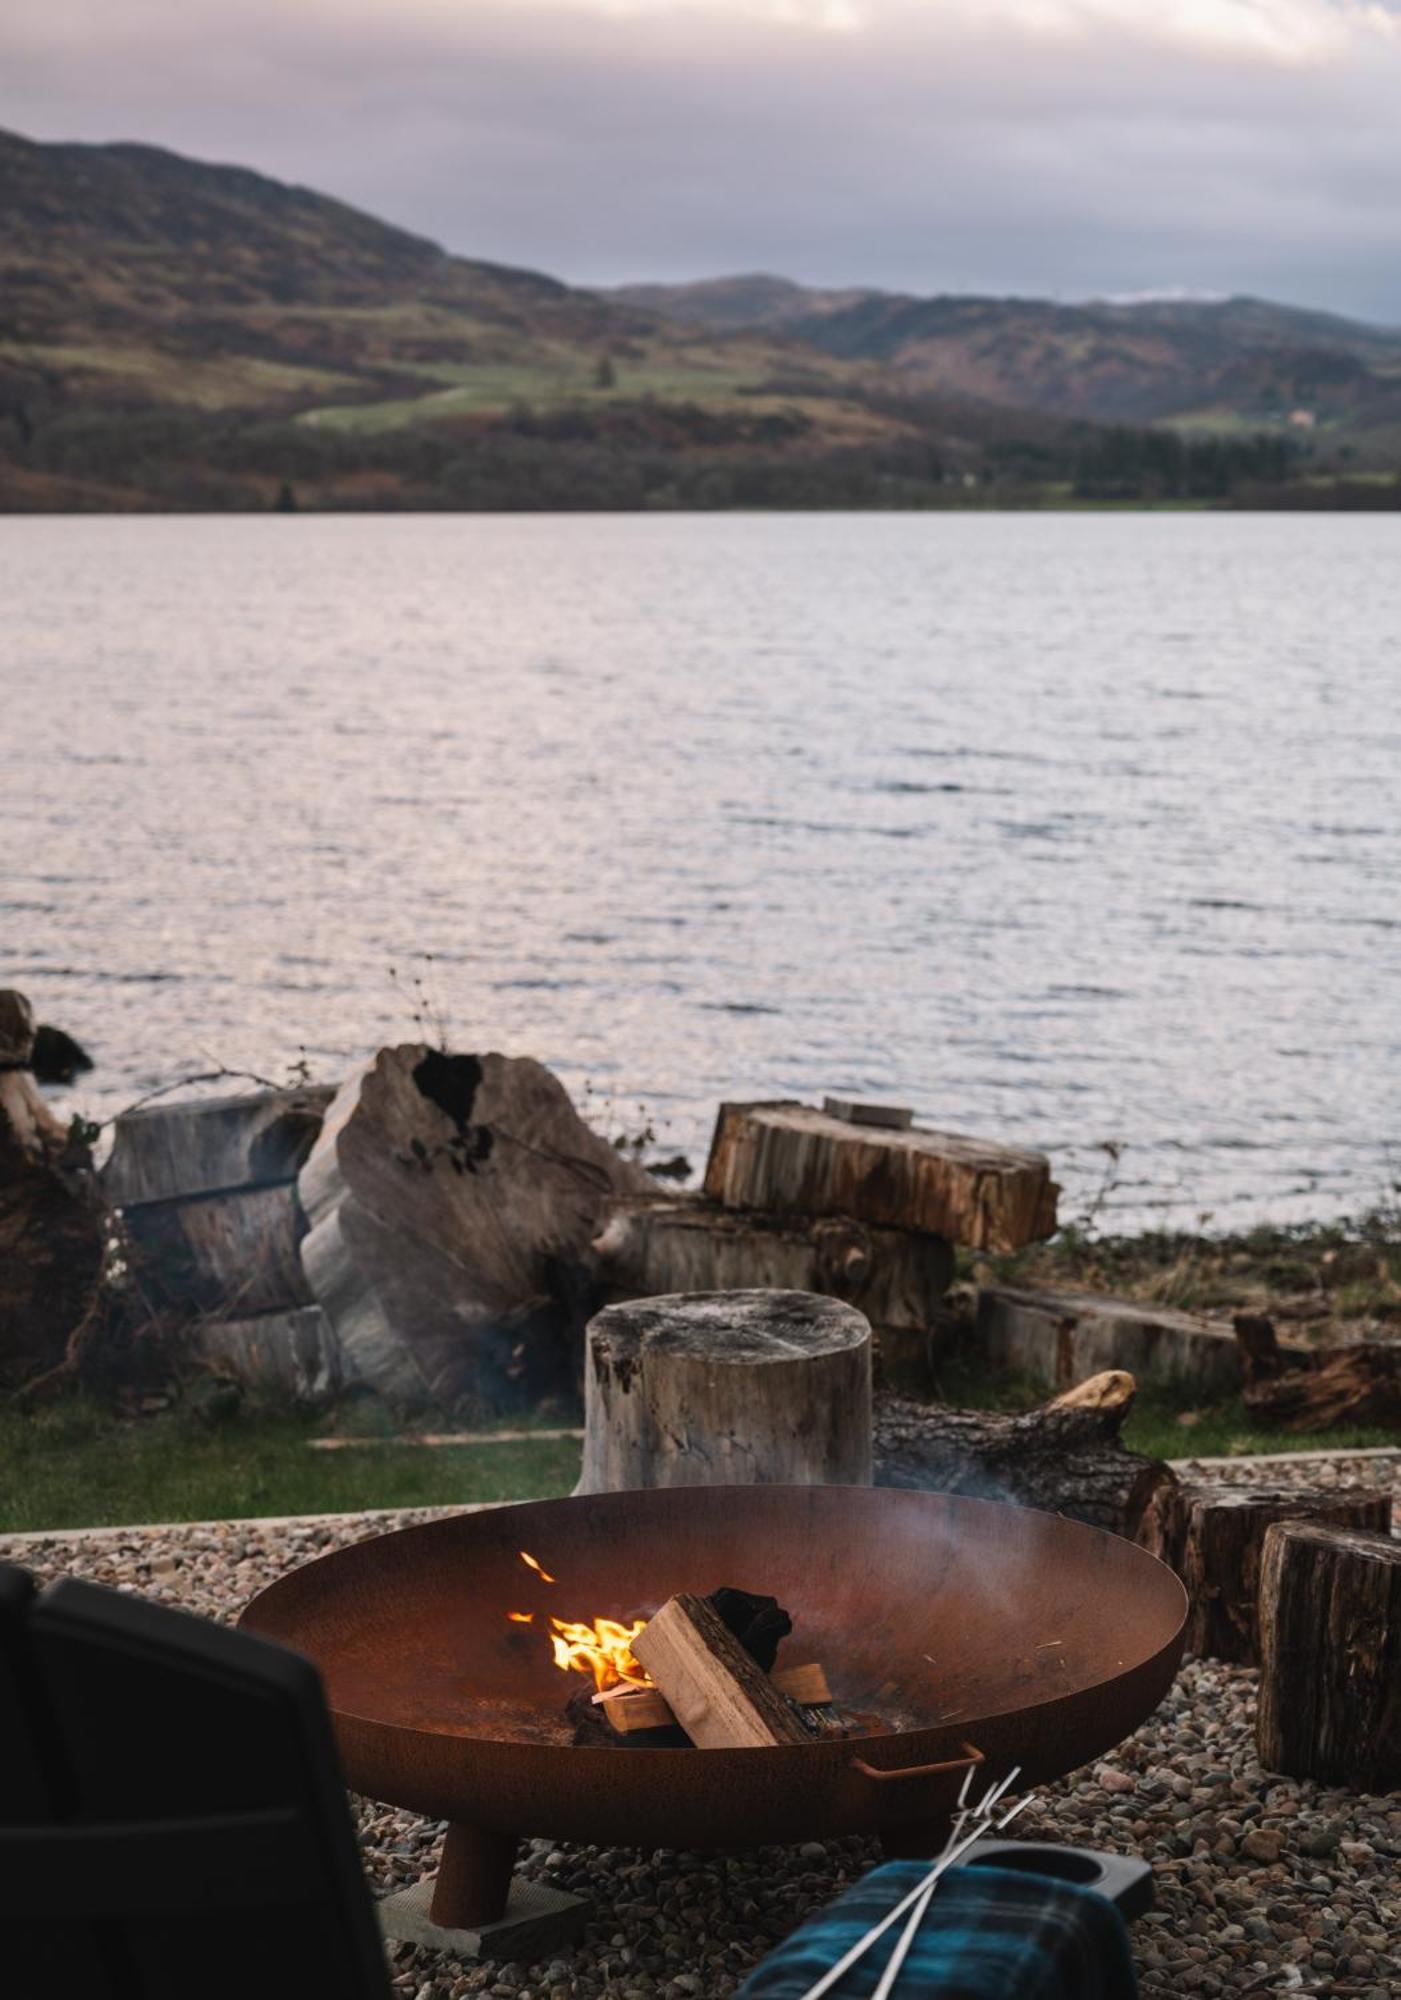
(80, 1466)
(467, 392)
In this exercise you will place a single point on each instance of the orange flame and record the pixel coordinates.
(521, 1617)
(603, 1649)
(531, 1563)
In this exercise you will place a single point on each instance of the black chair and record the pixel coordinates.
(173, 1821)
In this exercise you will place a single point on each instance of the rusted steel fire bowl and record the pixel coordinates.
(1037, 1640)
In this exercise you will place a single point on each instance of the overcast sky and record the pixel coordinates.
(1056, 147)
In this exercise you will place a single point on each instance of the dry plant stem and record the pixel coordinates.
(924, 1888)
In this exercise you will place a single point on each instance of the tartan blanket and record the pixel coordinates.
(989, 1934)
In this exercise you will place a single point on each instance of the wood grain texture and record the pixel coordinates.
(1330, 1674)
(719, 1696)
(727, 1389)
(205, 1145)
(788, 1158)
(1213, 1536)
(649, 1708)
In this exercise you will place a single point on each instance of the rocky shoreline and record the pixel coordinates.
(1266, 1885)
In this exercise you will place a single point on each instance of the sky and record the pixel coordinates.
(1058, 148)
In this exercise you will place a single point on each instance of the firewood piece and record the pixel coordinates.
(1213, 1534)
(727, 1389)
(1056, 1335)
(1330, 1680)
(452, 1201)
(1111, 1389)
(649, 1708)
(897, 1277)
(1064, 1461)
(792, 1159)
(716, 1692)
(1348, 1385)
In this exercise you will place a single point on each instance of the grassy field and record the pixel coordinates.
(79, 1466)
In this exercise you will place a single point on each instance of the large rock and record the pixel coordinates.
(452, 1202)
(790, 1159)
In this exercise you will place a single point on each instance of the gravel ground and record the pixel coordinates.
(1265, 1885)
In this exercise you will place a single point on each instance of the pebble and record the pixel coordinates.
(1265, 1885)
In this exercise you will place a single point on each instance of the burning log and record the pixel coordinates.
(648, 1708)
(718, 1693)
(1330, 1628)
(1213, 1535)
(727, 1388)
(1064, 1458)
(791, 1159)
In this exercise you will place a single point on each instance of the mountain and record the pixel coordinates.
(1211, 364)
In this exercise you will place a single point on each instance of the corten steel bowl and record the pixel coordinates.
(966, 1625)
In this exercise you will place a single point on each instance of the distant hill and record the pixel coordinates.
(175, 334)
(1214, 364)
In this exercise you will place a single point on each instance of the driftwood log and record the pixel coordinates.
(896, 1277)
(452, 1202)
(727, 1389)
(1330, 1679)
(1213, 1535)
(1066, 1457)
(52, 1225)
(789, 1159)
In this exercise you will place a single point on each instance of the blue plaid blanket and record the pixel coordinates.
(989, 1934)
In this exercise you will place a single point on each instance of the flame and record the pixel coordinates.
(521, 1617)
(531, 1563)
(603, 1649)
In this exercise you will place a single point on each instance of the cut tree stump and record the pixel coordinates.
(1065, 1458)
(1330, 1679)
(1213, 1534)
(720, 1696)
(727, 1389)
(453, 1200)
(897, 1277)
(790, 1159)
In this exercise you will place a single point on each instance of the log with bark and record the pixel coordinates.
(727, 1389)
(790, 1159)
(717, 1692)
(452, 1202)
(1360, 1384)
(1213, 1534)
(1067, 1457)
(1330, 1677)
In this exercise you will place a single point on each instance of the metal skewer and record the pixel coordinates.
(954, 1848)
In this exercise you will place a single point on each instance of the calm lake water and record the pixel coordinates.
(1063, 828)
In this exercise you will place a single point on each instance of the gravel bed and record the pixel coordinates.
(1334, 1473)
(1265, 1885)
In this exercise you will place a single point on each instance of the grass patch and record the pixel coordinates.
(80, 1466)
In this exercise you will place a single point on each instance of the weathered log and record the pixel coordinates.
(1213, 1534)
(1055, 1336)
(1067, 1460)
(234, 1254)
(791, 1159)
(727, 1389)
(1345, 1385)
(1330, 1678)
(720, 1696)
(452, 1201)
(208, 1145)
(29, 1131)
(897, 1277)
(283, 1357)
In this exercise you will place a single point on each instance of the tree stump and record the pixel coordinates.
(1330, 1680)
(1213, 1535)
(727, 1389)
(1065, 1458)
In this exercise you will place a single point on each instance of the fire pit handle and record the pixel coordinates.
(901, 1774)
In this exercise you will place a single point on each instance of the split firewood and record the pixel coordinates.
(720, 1696)
(1066, 1457)
(648, 1708)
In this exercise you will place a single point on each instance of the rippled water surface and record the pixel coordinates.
(1062, 828)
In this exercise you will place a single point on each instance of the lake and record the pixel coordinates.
(1062, 828)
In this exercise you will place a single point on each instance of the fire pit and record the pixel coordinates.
(961, 1626)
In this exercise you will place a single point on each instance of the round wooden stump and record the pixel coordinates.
(727, 1389)
(1330, 1679)
(1213, 1535)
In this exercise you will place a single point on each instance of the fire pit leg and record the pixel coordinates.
(476, 1908)
(474, 1878)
